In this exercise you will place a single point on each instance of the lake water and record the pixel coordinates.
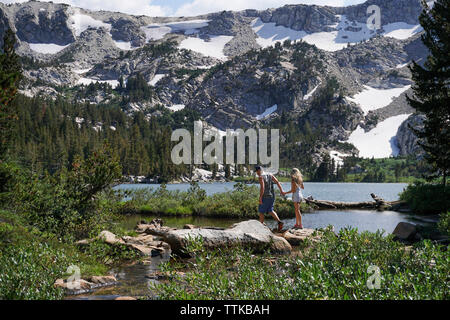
(321, 191)
(364, 220)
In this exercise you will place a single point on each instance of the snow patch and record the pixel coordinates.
(270, 33)
(401, 30)
(267, 113)
(372, 99)
(123, 45)
(81, 71)
(344, 32)
(157, 31)
(338, 157)
(211, 48)
(400, 66)
(339, 39)
(176, 107)
(379, 142)
(47, 48)
(81, 22)
(156, 79)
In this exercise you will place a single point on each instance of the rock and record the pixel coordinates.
(74, 287)
(297, 236)
(103, 280)
(251, 234)
(85, 285)
(189, 226)
(144, 244)
(125, 299)
(405, 231)
(418, 237)
(110, 238)
(407, 141)
(59, 283)
(142, 239)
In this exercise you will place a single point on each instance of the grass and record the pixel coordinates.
(242, 202)
(342, 266)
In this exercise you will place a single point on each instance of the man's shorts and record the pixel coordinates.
(266, 206)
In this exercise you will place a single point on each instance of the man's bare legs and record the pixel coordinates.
(261, 218)
(274, 216)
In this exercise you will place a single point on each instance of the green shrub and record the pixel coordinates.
(427, 198)
(241, 202)
(67, 203)
(110, 254)
(444, 223)
(338, 267)
(30, 270)
(31, 261)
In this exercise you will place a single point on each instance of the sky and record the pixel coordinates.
(158, 8)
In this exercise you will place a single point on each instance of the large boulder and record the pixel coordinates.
(405, 231)
(110, 238)
(250, 234)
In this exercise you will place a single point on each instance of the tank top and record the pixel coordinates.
(268, 186)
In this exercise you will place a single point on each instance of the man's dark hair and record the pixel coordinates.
(257, 168)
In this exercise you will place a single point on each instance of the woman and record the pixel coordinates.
(297, 196)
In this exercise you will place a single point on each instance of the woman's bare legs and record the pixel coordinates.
(298, 215)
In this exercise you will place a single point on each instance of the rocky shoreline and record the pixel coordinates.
(154, 239)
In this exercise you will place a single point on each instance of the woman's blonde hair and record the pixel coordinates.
(296, 176)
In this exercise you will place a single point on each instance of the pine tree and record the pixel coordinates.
(10, 74)
(432, 88)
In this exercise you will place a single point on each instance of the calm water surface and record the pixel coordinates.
(321, 191)
(364, 220)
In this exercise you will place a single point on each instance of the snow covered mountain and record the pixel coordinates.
(236, 68)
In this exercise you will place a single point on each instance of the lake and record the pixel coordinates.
(321, 191)
(364, 220)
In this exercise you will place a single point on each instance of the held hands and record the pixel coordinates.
(260, 201)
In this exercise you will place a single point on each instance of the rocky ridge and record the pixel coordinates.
(232, 93)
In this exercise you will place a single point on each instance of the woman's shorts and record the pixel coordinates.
(266, 206)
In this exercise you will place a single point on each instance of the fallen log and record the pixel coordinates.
(378, 204)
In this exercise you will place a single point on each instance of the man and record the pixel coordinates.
(267, 196)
